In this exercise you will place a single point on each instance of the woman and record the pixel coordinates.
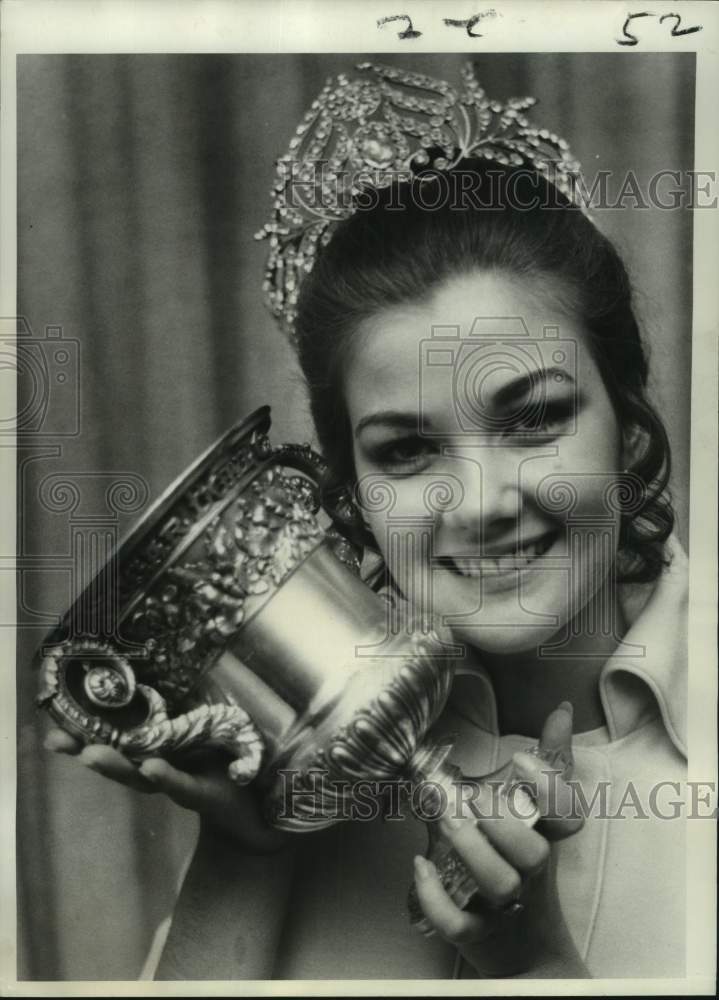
(466, 323)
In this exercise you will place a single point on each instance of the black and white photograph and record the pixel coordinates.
(362, 418)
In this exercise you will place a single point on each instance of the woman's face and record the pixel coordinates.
(482, 415)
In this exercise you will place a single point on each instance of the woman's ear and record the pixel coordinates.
(633, 446)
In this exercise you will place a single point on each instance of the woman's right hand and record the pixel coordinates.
(519, 927)
(225, 806)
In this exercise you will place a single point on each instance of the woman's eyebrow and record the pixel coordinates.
(520, 386)
(524, 384)
(392, 418)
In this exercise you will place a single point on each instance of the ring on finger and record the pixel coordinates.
(558, 758)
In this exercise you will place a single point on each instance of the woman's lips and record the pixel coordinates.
(499, 563)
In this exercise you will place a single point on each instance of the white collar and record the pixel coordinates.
(658, 615)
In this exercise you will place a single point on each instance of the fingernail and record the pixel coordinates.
(568, 707)
(451, 822)
(147, 771)
(424, 929)
(423, 868)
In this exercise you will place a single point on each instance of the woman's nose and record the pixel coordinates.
(491, 500)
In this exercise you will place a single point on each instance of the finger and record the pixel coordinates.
(59, 741)
(232, 809)
(191, 791)
(112, 764)
(554, 796)
(557, 735)
(455, 925)
(502, 822)
(497, 880)
(522, 847)
(556, 802)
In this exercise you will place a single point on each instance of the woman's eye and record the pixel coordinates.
(553, 419)
(403, 454)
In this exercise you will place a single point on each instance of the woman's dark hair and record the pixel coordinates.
(481, 215)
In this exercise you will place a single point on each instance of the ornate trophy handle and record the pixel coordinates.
(84, 683)
(334, 498)
(226, 726)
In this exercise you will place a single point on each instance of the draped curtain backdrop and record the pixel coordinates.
(141, 181)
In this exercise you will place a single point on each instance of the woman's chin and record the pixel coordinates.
(522, 616)
(504, 639)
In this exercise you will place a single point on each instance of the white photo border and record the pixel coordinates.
(273, 26)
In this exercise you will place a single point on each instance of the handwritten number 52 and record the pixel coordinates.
(630, 39)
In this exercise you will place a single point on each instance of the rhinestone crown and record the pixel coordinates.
(363, 134)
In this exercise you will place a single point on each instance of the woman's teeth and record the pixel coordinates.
(478, 565)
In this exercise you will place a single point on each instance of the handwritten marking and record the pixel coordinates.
(470, 22)
(630, 39)
(409, 31)
(675, 30)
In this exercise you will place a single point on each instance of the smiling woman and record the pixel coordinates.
(487, 353)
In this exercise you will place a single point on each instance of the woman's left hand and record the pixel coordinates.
(519, 927)
(204, 788)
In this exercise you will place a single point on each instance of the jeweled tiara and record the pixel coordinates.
(362, 134)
